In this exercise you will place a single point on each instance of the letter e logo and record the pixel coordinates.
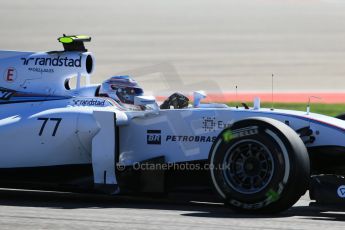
(10, 74)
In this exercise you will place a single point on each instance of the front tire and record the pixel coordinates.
(259, 165)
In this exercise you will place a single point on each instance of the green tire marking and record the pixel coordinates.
(272, 195)
(228, 136)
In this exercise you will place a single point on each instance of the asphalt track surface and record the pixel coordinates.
(48, 210)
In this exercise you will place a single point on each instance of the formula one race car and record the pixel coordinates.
(111, 138)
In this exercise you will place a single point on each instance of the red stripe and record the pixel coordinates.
(326, 97)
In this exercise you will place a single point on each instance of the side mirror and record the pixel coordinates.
(256, 103)
(198, 96)
(147, 101)
(144, 100)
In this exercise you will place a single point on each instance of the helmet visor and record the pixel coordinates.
(127, 94)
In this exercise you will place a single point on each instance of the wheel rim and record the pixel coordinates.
(248, 166)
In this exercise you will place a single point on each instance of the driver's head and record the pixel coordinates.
(121, 88)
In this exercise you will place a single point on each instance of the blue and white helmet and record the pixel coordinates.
(121, 88)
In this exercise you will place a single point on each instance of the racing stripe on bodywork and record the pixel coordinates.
(8, 96)
(309, 119)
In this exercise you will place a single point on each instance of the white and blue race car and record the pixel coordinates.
(111, 138)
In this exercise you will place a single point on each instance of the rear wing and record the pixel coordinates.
(74, 42)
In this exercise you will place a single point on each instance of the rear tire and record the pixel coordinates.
(259, 165)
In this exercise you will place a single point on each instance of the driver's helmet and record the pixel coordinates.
(121, 88)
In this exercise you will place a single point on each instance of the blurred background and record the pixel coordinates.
(194, 44)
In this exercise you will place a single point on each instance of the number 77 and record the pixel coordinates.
(45, 120)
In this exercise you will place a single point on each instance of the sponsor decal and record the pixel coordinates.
(245, 132)
(178, 138)
(223, 124)
(210, 124)
(341, 191)
(5, 95)
(10, 74)
(154, 137)
(89, 102)
(40, 70)
(57, 61)
(271, 195)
